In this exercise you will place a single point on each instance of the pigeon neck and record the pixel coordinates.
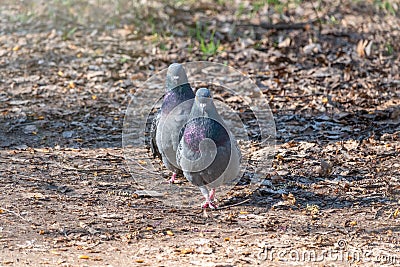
(176, 88)
(176, 96)
(204, 110)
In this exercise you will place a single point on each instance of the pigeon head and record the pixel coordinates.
(176, 76)
(203, 93)
(203, 98)
(177, 90)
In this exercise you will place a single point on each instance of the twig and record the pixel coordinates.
(160, 209)
(258, 233)
(88, 170)
(280, 26)
(234, 205)
(16, 214)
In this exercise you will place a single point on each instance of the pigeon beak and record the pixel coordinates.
(175, 80)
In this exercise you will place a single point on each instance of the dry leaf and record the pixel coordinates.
(350, 223)
(289, 199)
(170, 233)
(313, 209)
(362, 47)
(83, 257)
(396, 213)
(234, 98)
(325, 169)
(277, 179)
(139, 261)
(55, 252)
(35, 195)
(187, 251)
(312, 48)
(368, 48)
(285, 43)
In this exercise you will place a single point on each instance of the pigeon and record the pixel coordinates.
(171, 117)
(208, 153)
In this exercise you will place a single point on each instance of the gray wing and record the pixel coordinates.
(153, 132)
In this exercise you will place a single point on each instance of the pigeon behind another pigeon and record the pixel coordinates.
(208, 153)
(172, 116)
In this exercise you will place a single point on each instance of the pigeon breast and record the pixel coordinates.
(176, 96)
(207, 153)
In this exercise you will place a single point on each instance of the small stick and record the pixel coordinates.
(16, 214)
(233, 205)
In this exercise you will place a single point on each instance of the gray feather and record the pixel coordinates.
(172, 116)
(208, 153)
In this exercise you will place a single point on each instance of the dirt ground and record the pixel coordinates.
(330, 70)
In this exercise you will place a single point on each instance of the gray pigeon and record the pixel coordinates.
(208, 153)
(174, 112)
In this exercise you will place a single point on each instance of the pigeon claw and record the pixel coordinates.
(209, 204)
(205, 205)
(173, 178)
(212, 205)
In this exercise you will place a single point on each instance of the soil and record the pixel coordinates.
(330, 71)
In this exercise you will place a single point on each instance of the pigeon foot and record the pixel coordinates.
(212, 205)
(209, 204)
(205, 204)
(173, 178)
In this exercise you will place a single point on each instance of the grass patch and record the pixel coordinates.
(386, 6)
(208, 43)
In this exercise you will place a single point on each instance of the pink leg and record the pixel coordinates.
(205, 205)
(208, 203)
(172, 180)
(212, 194)
(212, 205)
